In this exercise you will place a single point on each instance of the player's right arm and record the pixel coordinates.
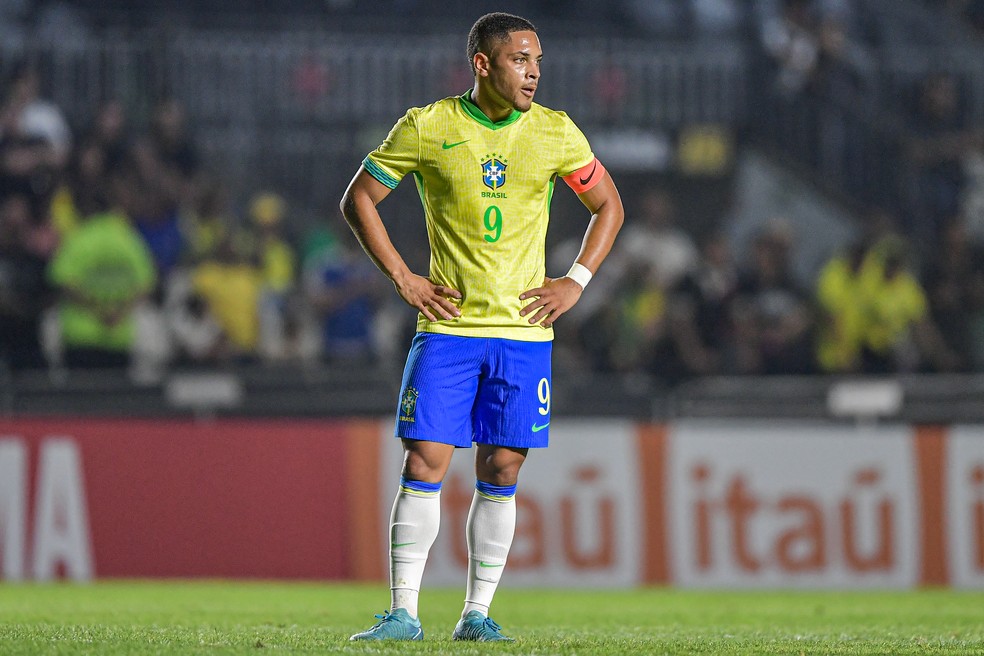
(358, 206)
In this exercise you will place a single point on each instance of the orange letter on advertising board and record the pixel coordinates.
(702, 516)
(809, 534)
(604, 552)
(881, 557)
(741, 505)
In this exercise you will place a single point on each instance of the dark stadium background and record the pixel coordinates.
(811, 150)
(775, 380)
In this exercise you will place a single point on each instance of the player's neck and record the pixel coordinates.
(492, 111)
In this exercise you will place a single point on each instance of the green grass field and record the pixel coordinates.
(218, 617)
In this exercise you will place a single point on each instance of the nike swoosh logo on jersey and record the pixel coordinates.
(586, 180)
(537, 428)
(447, 145)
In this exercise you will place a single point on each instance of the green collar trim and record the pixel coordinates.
(473, 110)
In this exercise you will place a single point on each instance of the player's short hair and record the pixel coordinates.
(492, 29)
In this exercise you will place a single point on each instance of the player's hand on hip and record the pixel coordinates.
(554, 298)
(433, 301)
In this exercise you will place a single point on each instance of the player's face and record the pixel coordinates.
(514, 70)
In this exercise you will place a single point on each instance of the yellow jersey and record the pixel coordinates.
(485, 189)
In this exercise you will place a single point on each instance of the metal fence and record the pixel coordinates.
(297, 110)
(247, 80)
(902, 70)
(243, 79)
(286, 109)
(854, 144)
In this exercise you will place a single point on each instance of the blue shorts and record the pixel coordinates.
(459, 390)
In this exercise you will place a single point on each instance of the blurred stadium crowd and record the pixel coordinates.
(122, 246)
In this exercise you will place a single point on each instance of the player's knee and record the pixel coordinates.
(501, 466)
(426, 461)
(418, 468)
(501, 477)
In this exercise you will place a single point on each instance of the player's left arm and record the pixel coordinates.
(558, 295)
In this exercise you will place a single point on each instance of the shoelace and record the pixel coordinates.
(492, 625)
(385, 617)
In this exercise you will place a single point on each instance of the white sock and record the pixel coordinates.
(414, 523)
(490, 528)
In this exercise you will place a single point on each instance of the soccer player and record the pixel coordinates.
(485, 164)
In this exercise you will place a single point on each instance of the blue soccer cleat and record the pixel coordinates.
(395, 625)
(479, 628)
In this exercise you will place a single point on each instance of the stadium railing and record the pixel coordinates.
(282, 109)
(320, 391)
(265, 104)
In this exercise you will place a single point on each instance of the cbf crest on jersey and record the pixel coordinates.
(494, 171)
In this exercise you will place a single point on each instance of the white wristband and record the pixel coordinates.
(580, 274)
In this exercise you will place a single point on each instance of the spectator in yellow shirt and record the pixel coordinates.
(278, 265)
(842, 314)
(899, 334)
(231, 284)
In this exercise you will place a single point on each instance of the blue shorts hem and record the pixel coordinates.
(461, 444)
(540, 443)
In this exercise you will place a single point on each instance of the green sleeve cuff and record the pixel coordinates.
(377, 172)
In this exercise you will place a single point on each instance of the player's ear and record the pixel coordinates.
(481, 63)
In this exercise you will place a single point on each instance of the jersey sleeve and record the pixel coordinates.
(577, 151)
(398, 154)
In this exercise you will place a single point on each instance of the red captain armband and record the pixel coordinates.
(585, 177)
